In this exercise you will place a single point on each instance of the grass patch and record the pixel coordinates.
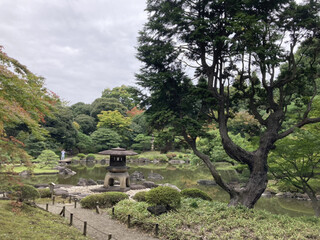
(18, 169)
(215, 220)
(33, 223)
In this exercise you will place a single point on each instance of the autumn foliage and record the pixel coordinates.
(23, 100)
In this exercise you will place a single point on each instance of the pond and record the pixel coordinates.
(183, 176)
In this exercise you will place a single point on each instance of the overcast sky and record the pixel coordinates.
(80, 47)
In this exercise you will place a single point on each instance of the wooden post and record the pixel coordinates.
(157, 230)
(129, 220)
(47, 207)
(109, 236)
(113, 211)
(97, 209)
(75, 203)
(63, 211)
(85, 228)
(69, 199)
(71, 219)
(53, 199)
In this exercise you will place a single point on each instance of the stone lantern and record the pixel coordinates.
(117, 168)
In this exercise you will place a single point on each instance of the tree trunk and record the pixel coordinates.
(314, 201)
(256, 185)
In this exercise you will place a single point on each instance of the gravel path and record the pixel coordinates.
(98, 225)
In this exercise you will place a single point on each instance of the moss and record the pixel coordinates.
(195, 193)
(164, 196)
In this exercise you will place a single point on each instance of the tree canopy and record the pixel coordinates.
(206, 60)
(23, 101)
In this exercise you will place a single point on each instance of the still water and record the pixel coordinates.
(184, 177)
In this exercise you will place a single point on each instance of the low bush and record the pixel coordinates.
(195, 193)
(103, 200)
(81, 155)
(25, 193)
(90, 157)
(163, 195)
(140, 196)
(44, 192)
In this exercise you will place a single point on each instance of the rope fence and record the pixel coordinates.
(74, 220)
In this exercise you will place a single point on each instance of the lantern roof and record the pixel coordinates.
(118, 152)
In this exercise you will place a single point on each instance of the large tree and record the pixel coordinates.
(235, 49)
(24, 102)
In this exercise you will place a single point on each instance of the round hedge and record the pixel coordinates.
(25, 193)
(164, 195)
(140, 196)
(195, 193)
(44, 192)
(103, 199)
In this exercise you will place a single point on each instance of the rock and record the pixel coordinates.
(103, 162)
(137, 187)
(155, 176)
(25, 173)
(137, 176)
(266, 194)
(174, 161)
(41, 185)
(100, 182)
(82, 182)
(157, 210)
(206, 182)
(149, 184)
(171, 185)
(99, 190)
(91, 182)
(61, 192)
(67, 171)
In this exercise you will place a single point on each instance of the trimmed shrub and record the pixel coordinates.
(81, 155)
(44, 192)
(103, 200)
(25, 193)
(163, 195)
(140, 196)
(90, 157)
(195, 193)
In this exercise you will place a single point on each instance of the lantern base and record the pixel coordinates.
(123, 178)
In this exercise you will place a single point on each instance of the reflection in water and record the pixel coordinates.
(182, 178)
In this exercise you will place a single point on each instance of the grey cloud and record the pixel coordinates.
(80, 46)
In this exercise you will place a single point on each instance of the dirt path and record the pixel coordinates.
(99, 226)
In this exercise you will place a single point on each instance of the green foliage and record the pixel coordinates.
(81, 155)
(215, 220)
(104, 138)
(85, 143)
(25, 193)
(123, 94)
(106, 104)
(80, 108)
(195, 193)
(103, 200)
(24, 101)
(164, 196)
(114, 120)
(86, 122)
(140, 196)
(142, 142)
(47, 158)
(90, 157)
(44, 192)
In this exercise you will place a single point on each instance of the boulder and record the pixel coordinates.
(137, 187)
(25, 173)
(155, 176)
(41, 185)
(172, 186)
(66, 171)
(61, 192)
(82, 182)
(137, 176)
(206, 182)
(174, 161)
(100, 182)
(157, 210)
(91, 182)
(149, 184)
